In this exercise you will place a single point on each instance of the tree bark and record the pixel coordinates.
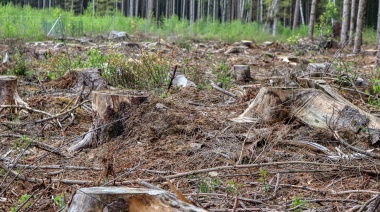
(359, 27)
(352, 23)
(378, 41)
(346, 19)
(296, 14)
(9, 94)
(128, 199)
(110, 109)
(312, 19)
(131, 8)
(301, 13)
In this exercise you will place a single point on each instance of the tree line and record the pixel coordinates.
(287, 12)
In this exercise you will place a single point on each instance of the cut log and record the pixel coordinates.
(110, 108)
(9, 94)
(321, 109)
(242, 73)
(102, 199)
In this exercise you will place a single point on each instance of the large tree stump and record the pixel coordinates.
(81, 77)
(119, 199)
(313, 107)
(8, 92)
(110, 108)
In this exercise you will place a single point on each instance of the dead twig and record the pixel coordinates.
(235, 204)
(60, 114)
(55, 167)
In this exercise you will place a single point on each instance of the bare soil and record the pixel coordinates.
(188, 130)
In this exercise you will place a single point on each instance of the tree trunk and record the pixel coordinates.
(192, 12)
(224, 11)
(296, 14)
(214, 11)
(199, 10)
(131, 8)
(9, 94)
(378, 41)
(352, 23)
(301, 13)
(137, 8)
(275, 16)
(312, 19)
(183, 9)
(346, 19)
(110, 109)
(127, 199)
(261, 11)
(149, 9)
(359, 27)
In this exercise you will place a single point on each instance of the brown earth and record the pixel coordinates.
(189, 130)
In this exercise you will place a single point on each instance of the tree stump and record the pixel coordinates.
(80, 77)
(8, 92)
(320, 69)
(110, 108)
(242, 73)
(313, 107)
(120, 199)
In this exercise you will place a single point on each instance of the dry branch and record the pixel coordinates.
(222, 90)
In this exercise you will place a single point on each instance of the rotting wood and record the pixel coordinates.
(9, 94)
(128, 199)
(108, 107)
(313, 107)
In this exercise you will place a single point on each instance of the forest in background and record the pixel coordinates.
(260, 11)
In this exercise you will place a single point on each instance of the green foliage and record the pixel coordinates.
(216, 185)
(375, 85)
(262, 178)
(59, 201)
(233, 187)
(23, 142)
(21, 65)
(20, 202)
(297, 201)
(330, 13)
(222, 75)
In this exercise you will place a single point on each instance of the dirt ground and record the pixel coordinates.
(191, 130)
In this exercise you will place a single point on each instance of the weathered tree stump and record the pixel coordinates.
(236, 49)
(242, 73)
(8, 92)
(313, 107)
(77, 78)
(320, 69)
(247, 43)
(110, 108)
(119, 199)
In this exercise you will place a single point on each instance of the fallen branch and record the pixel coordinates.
(26, 108)
(55, 167)
(48, 148)
(341, 141)
(364, 206)
(222, 90)
(255, 165)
